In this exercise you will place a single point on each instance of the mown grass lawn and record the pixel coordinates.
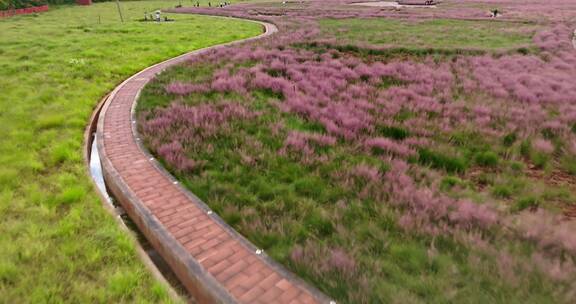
(436, 33)
(57, 244)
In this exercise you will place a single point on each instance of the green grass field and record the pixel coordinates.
(57, 244)
(437, 33)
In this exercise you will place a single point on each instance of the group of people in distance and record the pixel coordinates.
(494, 13)
(197, 4)
(221, 4)
(155, 16)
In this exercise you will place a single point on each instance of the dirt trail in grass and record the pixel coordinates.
(557, 178)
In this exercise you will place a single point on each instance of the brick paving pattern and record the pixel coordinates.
(246, 276)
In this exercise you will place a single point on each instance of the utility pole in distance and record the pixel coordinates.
(119, 11)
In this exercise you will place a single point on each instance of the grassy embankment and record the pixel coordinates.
(56, 241)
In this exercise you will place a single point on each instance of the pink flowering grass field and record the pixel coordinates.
(388, 155)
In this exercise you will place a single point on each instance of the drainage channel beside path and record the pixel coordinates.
(212, 261)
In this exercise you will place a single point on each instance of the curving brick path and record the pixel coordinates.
(213, 261)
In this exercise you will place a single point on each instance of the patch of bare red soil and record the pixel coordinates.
(556, 178)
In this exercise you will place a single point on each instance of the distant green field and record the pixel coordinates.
(57, 244)
(437, 33)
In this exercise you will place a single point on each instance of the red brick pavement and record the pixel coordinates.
(214, 262)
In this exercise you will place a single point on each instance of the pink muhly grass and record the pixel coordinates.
(367, 172)
(277, 127)
(557, 269)
(543, 145)
(555, 127)
(365, 179)
(191, 125)
(297, 142)
(303, 142)
(507, 265)
(227, 83)
(389, 146)
(297, 255)
(181, 88)
(554, 39)
(264, 81)
(340, 261)
(174, 155)
(468, 214)
(418, 142)
(430, 212)
(324, 261)
(528, 79)
(550, 232)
